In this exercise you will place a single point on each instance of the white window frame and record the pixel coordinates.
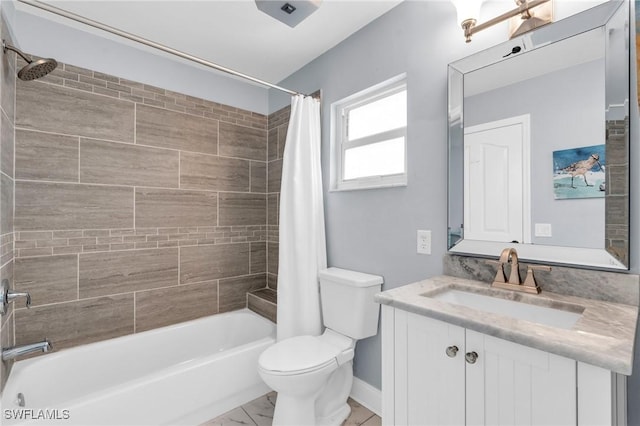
(340, 143)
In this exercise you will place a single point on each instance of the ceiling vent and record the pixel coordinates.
(290, 12)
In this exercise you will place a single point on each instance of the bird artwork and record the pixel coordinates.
(582, 167)
(574, 165)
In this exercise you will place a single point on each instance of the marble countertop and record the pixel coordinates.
(603, 336)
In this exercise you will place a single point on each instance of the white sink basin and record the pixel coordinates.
(534, 313)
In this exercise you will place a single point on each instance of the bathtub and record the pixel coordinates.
(183, 374)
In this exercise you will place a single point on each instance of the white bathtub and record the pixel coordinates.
(178, 375)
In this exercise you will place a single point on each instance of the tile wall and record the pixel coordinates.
(136, 207)
(617, 191)
(278, 124)
(7, 121)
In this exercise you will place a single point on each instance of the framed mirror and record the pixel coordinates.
(539, 144)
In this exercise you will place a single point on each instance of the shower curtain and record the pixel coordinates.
(302, 238)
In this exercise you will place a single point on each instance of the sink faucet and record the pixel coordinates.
(16, 351)
(510, 255)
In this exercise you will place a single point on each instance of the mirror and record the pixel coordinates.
(539, 144)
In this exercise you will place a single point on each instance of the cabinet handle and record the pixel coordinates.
(452, 351)
(471, 357)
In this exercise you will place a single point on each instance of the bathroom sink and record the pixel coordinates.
(560, 318)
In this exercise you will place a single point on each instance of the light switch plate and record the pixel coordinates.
(424, 241)
(543, 229)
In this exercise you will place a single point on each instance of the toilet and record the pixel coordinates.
(313, 374)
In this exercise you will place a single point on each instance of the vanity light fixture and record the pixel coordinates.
(469, 10)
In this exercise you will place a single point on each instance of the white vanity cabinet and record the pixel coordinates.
(435, 373)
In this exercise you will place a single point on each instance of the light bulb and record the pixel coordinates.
(467, 9)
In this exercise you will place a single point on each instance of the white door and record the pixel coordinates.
(435, 380)
(496, 181)
(511, 384)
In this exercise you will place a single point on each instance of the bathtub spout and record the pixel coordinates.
(16, 351)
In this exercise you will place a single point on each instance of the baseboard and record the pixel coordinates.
(367, 395)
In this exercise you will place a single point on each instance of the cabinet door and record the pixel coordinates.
(511, 384)
(435, 380)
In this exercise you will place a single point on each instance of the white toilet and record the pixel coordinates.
(313, 374)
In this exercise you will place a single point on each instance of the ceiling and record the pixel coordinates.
(232, 33)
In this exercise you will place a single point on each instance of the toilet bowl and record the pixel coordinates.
(302, 368)
(313, 375)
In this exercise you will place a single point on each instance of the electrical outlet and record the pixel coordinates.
(424, 241)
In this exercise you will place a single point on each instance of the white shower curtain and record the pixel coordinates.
(302, 239)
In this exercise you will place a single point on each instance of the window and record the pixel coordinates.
(370, 138)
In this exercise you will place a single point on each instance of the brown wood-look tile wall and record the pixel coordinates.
(276, 138)
(233, 291)
(135, 207)
(170, 129)
(166, 306)
(6, 204)
(6, 144)
(7, 174)
(57, 206)
(128, 165)
(55, 109)
(264, 301)
(48, 279)
(238, 208)
(46, 156)
(196, 263)
(258, 258)
(74, 323)
(242, 142)
(213, 173)
(175, 207)
(101, 274)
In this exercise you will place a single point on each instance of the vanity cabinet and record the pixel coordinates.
(436, 373)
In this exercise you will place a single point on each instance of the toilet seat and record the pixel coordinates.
(300, 355)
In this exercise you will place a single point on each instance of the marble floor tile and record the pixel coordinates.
(359, 414)
(234, 417)
(261, 409)
(375, 420)
(259, 412)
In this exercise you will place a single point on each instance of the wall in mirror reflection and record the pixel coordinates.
(566, 111)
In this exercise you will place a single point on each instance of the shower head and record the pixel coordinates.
(33, 69)
(37, 69)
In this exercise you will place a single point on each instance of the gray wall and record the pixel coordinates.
(375, 230)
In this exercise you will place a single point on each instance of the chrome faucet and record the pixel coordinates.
(7, 295)
(510, 255)
(16, 351)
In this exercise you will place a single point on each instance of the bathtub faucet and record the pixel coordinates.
(7, 295)
(16, 351)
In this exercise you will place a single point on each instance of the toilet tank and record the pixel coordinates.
(347, 302)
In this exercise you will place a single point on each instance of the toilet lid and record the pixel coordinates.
(298, 354)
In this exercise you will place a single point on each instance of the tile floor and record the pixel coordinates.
(259, 412)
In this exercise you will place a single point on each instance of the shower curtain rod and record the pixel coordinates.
(133, 37)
